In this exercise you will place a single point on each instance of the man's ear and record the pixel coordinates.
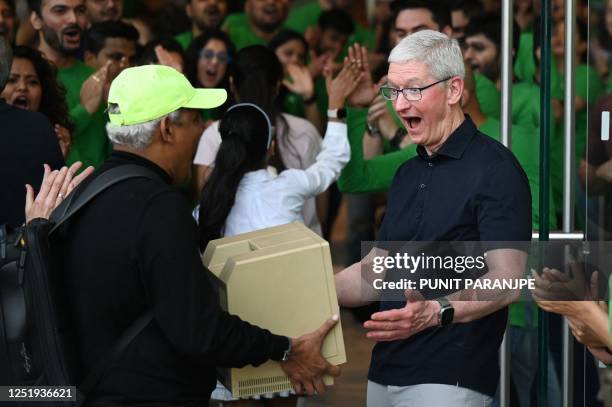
(36, 20)
(167, 135)
(455, 90)
(188, 10)
(448, 30)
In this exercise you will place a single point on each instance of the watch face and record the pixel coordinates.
(447, 316)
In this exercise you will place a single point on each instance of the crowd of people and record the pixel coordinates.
(310, 102)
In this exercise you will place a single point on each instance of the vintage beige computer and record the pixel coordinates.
(281, 279)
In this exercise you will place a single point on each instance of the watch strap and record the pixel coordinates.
(445, 306)
(373, 131)
(287, 352)
(336, 113)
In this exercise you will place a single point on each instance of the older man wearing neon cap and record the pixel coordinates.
(134, 249)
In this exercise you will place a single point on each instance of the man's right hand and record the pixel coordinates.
(306, 366)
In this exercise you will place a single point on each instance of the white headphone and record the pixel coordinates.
(262, 112)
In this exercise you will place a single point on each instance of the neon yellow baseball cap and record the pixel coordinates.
(148, 92)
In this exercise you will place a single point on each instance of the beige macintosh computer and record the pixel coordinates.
(281, 279)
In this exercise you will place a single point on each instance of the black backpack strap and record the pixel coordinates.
(79, 198)
(64, 212)
(94, 376)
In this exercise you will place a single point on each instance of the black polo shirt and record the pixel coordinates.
(471, 189)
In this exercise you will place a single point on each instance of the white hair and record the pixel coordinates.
(440, 53)
(137, 136)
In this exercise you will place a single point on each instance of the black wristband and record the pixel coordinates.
(311, 99)
(398, 137)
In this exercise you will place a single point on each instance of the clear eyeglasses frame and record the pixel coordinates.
(410, 94)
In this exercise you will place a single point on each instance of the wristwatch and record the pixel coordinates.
(373, 131)
(336, 113)
(447, 312)
(287, 353)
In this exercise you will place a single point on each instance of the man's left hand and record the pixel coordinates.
(404, 322)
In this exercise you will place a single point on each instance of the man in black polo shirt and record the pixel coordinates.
(134, 248)
(462, 186)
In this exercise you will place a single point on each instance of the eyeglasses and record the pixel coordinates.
(209, 54)
(410, 94)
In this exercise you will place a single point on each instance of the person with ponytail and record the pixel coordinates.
(256, 76)
(242, 195)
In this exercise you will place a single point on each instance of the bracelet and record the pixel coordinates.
(398, 137)
(311, 99)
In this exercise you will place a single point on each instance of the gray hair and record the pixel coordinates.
(137, 136)
(440, 53)
(6, 60)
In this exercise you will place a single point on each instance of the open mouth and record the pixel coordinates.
(72, 34)
(21, 102)
(210, 76)
(413, 122)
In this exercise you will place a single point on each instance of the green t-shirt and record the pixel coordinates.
(376, 174)
(294, 105)
(300, 18)
(303, 17)
(488, 96)
(525, 68)
(363, 36)
(239, 29)
(526, 113)
(184, 39)
(89, 141)
(525, 145)
(212, 114)
(588, 88)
